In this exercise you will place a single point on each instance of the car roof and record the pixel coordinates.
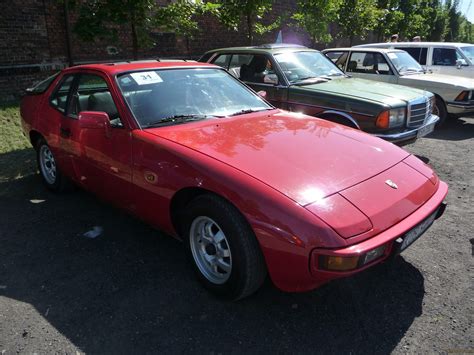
(272, 48)
(417, 44)
(120, 67)
(365, 49)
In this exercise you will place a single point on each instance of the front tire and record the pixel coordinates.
(223, 249)
(49, 172)
(440, 110)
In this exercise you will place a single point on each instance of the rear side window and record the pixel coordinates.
(222, 60)
(42, 86)
(418, 53)
(368, 63)
(59, 98)
(338, 58)
(424, 52)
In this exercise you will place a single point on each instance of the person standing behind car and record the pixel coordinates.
(394, 38)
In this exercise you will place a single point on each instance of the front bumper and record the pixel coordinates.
(410, 135)
(391, 238)
(461, 108)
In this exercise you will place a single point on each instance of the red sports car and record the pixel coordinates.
(249, 188)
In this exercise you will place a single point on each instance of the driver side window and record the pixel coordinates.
(93, 94)
(368, 63)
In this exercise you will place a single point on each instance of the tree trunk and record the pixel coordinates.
(134, 40)
(250, 29)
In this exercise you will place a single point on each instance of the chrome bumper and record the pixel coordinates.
(459, 108)
(408, 135)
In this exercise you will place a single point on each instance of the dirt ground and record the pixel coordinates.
(132, 291)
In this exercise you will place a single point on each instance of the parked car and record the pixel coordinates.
(439, 57)
(249, 188)
(454, 95)
(300, 79)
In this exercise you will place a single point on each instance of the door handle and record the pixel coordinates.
(65, 132)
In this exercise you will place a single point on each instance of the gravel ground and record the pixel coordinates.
(132, 291)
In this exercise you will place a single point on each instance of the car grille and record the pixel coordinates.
(419, 110)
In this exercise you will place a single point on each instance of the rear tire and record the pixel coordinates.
(222, 246)
(49, 171)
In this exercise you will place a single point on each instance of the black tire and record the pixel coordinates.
(57, 184)
(440, 109)
(248, 269)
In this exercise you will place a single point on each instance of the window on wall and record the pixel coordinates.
(59, 98)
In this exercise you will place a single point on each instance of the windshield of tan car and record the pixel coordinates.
(468, 52)
(165, 95)
(300, 66)
(404, 63)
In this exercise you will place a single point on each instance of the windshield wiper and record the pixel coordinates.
(311, 80)
(178, 119)
(242, 112)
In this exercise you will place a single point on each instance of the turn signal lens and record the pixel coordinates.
(464, 96)
(383, 120)
(338, 263)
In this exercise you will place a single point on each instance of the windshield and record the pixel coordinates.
(158, 97)
(404, 63)
(468, 52)
(300, 66)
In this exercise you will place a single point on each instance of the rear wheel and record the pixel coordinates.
(50, 174)
(223, 248)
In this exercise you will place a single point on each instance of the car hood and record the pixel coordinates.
(390, 94)
(302, 157)
(439, 80)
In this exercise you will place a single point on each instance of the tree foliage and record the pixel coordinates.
(356, 18)
(232, 13)
(315, 16)
(103, 18)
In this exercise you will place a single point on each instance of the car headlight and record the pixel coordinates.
(432, 103)
(391, 118)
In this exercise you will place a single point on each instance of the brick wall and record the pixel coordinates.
(33, 42)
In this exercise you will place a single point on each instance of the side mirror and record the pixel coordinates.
(262, 94)
(460, 63)
(94, 120)
(270, 79)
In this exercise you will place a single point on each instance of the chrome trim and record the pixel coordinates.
(467, 105)
(325, 107)
(421, 117)
(343, 114)
(395, 137)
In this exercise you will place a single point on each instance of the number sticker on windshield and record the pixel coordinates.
(146, 77)
(392, 55)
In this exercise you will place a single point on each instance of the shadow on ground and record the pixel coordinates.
(455, 129)
(132, 291)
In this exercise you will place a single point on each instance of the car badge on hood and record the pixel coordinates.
(391, 184)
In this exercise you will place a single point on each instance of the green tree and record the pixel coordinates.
(356, 18)
(103, 18)
(181, 17)
(232, 13)
(454, 20)
(315, 16)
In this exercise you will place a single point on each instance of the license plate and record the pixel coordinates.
(416, 232)
(425, 130)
